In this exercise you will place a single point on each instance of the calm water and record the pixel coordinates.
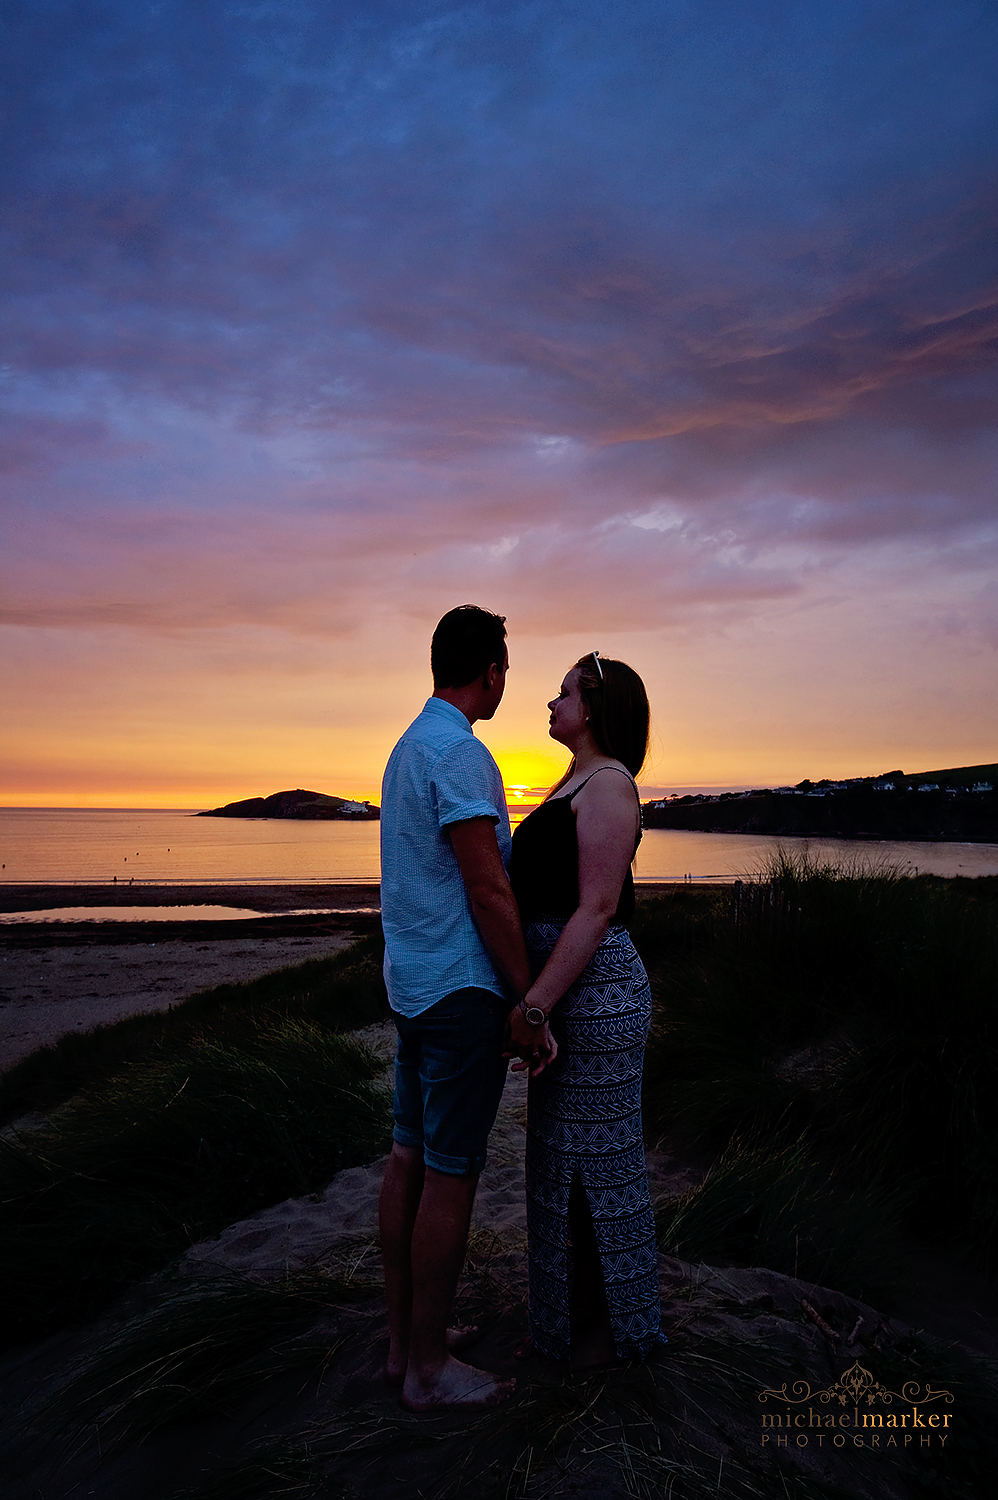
(96, 844)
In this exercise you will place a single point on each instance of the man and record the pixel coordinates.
(454, 962)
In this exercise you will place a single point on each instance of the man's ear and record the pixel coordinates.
(489, 675)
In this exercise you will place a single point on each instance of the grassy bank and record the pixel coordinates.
(182, 1125)
(829, 1039)
(339, 993)
(686, 1423)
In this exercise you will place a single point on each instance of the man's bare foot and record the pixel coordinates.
(455, 1385)
(458, 1338)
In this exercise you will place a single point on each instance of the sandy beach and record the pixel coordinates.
(58, 977)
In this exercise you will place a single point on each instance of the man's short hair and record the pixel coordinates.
(465, 644)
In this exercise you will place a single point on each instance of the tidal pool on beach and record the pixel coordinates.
(200, 913)
(131, 914)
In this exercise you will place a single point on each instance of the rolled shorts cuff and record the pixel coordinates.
(453, 1166)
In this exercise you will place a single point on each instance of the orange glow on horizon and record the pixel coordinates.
(527, 774)
(167, 799)
(165, 725)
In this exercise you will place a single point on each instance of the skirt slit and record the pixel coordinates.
(584, 1122)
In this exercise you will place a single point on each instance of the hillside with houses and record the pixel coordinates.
(958, 804)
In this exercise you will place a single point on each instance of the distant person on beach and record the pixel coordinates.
(455, 962)
(593, 1270)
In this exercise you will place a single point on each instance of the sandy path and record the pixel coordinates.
(302, 1231)
(46, 992)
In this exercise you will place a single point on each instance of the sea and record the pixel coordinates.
(142, 846)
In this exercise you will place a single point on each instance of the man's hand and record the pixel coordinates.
(535, 1047)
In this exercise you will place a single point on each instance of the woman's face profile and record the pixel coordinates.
(569, 715)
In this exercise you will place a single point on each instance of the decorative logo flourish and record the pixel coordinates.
(857, 1385)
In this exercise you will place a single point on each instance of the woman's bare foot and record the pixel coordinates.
(525, 1350)
(458, 1338)
(455, 1384)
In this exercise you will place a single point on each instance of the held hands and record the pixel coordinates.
(534, 1046)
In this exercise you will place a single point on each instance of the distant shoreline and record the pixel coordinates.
(269, 898)
(931, 816)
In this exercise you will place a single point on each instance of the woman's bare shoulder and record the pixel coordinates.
(603, 788)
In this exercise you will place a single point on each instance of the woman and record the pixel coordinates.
(593, 1274)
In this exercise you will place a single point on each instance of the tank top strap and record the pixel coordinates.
(598, 769)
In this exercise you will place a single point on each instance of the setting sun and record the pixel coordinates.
(527, 774)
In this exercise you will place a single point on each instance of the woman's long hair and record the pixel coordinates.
(618, 713)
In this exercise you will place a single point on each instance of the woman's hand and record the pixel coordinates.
(534, 1046)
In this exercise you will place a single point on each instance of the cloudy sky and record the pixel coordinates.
(666, 328)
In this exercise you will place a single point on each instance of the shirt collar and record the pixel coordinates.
(449, 712)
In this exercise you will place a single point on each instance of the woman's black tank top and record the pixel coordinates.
(544, 868)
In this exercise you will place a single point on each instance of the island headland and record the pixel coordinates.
(959, 804)
(313, 807)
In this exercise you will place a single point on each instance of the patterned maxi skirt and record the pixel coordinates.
(584, 1121)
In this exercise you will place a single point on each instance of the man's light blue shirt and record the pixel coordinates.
(438, 774)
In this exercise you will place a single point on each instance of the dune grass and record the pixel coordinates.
(205, 1347)
(279, 1471)
(202, 1132)
(844, 1025)
(340, 993)
(685, 1425)
(610, 1433)
(763, 1204)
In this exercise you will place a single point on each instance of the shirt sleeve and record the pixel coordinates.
(466, 780)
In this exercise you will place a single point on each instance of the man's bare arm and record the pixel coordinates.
(498, 919)
(492, 901)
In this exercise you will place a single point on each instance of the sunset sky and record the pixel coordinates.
(665, 327)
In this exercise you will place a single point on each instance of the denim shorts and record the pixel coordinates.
(449, 1076)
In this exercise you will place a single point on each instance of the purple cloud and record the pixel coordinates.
(652, 311)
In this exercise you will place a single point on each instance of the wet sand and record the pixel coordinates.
(262, 898)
